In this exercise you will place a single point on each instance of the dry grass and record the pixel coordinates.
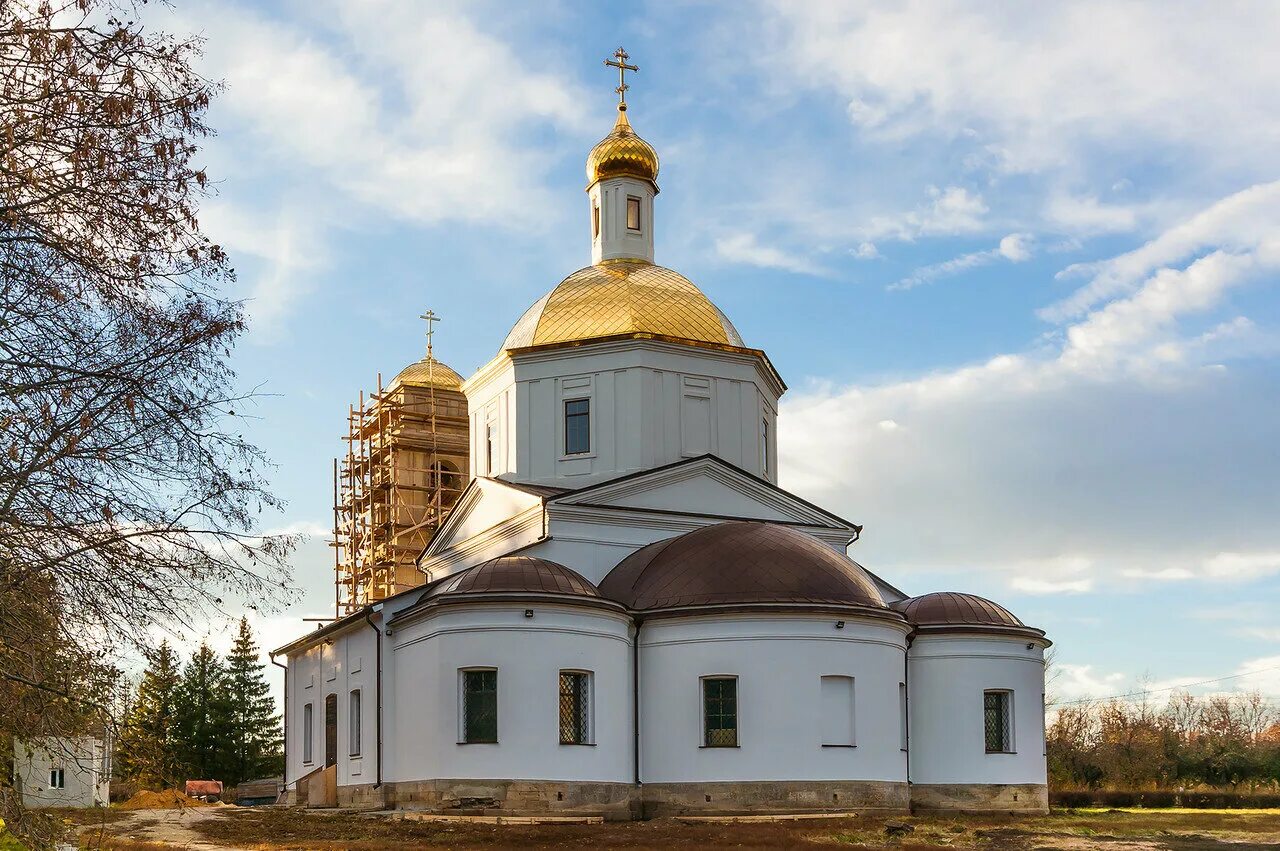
(1182, 830)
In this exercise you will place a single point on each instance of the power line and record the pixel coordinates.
(1170, 688)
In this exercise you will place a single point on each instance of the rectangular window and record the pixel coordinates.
(354, 722)
(575, 708)
(996, 713)
(56, 780)
(720, 712)
(308, 730)
(764, 447)
(837, 711)
(577, 426)
(491, 447)
(595, 220)
(633, 213)
(902, 715)
(480, 706)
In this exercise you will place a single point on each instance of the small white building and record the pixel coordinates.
(625, 614)
(62, 771)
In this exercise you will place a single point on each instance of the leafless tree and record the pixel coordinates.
(128, 495)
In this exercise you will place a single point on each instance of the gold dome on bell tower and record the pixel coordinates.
(622, 153)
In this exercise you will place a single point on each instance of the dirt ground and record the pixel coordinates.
(220, 828)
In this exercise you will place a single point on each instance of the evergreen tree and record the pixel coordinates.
(252, 746)
(202, 713)
(148, 744)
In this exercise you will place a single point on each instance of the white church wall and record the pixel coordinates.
(528, 654)
(779, 662)
(345, 662)
(614, 239)
(652, 403)
(948, 675)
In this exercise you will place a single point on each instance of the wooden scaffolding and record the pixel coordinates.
(405, 466)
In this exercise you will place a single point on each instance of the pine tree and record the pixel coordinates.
(202, 714)
(148, 744)
(252, 746)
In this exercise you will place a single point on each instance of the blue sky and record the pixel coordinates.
(1017, 265)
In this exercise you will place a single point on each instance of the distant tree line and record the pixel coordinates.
(1220, 742)
(210, 719)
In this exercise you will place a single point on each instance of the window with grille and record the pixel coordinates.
(575, 708)
(633, 213)
(480, 706)
(720, 712)
(996, 721)
(577, 426)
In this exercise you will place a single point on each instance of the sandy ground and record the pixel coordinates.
(175, 827)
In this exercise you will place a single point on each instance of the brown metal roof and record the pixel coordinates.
(740, 562)
(515, 574)
(949, 608)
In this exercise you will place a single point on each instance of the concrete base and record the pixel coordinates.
(979, 797)
(614, 801)
(772, 797)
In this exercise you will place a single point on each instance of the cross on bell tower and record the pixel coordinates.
(619, 61)
(431, 319)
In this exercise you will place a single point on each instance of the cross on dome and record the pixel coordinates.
(431, 319)
(619, 61)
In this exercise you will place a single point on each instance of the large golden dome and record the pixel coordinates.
(622, 153)
(623, 298)
(429, 372)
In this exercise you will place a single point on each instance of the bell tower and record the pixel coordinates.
(622, 182)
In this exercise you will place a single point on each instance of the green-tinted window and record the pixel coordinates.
(720, 711)
(480, 706)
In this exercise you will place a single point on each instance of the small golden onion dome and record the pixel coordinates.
(622, 153)
(623, 298)
(429, 372)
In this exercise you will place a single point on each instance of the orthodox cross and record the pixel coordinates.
(431, 320)
(621, 64)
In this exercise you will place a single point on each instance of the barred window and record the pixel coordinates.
(720, 712)
(996, 721)
(480, 706)
(575, 708)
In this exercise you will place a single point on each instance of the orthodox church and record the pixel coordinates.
(623, 613)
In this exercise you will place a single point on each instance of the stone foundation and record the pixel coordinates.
(614, 801)
(980, 797)
(772, 796)
(363, 796)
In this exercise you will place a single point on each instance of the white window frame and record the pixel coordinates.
(639, 206)
(737, 711)
(462, 704)
(590, 732)
(355, 722)
(1010, 745)
(564, 423)
(57, 778)
(853, 712)
(308, 733)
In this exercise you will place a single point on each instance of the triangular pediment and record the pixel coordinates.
(486, 504)
(708, 487)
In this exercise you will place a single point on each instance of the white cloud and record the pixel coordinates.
(866, 251)
(744, 248)
(1122, 455)
(950, 211)
(1041, 90)
(1086, 214)
(1016, 248)
(1084, 681)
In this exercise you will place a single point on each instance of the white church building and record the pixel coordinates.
(624, 614)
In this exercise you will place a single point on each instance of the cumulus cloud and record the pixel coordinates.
(1016, 248)
(1124, 453)
(949, 211)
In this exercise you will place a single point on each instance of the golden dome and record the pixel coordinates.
(623, 298)
(429, 372)
(622, 153)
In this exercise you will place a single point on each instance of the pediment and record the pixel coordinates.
(704, 486)
(484, 505)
